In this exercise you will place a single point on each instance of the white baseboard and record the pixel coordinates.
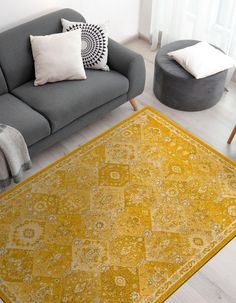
(145, 38)
(130, 39)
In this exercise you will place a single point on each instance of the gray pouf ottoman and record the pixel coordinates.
(178, 89)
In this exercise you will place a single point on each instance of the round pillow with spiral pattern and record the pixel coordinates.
(94, 43)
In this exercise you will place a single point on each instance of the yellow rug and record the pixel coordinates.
(126, 218)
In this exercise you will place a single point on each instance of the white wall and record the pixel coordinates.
(122, 16)
(14, 12)
(145, 18)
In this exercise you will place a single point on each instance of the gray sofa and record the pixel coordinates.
(49, 113)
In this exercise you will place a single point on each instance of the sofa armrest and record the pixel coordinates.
(128, 63)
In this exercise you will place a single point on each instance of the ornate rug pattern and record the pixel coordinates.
(126, 218)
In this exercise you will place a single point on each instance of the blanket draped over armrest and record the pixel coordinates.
(14, 156)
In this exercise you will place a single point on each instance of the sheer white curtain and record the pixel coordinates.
(210, 20)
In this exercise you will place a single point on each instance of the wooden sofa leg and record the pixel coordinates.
(232, 135)
(134, 104)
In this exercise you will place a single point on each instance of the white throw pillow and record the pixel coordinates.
(94, 43)
(202, 60)
(57, 57)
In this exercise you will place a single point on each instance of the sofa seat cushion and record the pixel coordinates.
(19, 115)
(63, 102)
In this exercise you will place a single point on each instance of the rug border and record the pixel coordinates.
(195, 268)
(200, 264)
(221, 245)
(191, 135)
(4, 299)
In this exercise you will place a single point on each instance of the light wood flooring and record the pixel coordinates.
(216, 281)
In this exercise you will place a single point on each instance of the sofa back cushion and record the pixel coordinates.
(15, 51)
(3, 85)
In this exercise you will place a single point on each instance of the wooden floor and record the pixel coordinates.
(216, 281)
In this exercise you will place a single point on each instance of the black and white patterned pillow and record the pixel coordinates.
(94, 43)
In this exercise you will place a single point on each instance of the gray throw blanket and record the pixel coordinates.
(14, 156)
